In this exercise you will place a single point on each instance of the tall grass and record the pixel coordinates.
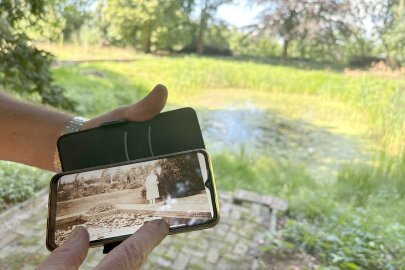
(191, 78)
(355, 222)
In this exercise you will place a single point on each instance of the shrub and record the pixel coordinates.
(19, 182)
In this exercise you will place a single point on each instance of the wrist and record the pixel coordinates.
(74, 125)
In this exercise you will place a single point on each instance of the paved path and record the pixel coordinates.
(233, 244)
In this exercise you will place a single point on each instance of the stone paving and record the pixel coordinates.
(233, 244)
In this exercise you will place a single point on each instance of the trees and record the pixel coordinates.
(283, 18)
(160, 24)
(144, 24)
(387, 21)
(24, 68)
(180, 176)
(207, 11)
(307, 22)
(74, 13)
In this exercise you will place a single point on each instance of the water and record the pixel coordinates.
(256, 132)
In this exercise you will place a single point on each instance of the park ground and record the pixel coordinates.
(328, 141)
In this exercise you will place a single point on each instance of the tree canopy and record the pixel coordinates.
(339, 31)
(23, 67)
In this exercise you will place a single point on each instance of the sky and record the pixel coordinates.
(240, 14)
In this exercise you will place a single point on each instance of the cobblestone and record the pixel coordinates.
(181, 261)
(232, 244)
(212, 255)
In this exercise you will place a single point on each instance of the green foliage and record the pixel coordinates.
(74, 13)
(242, 44)
(350, 241)
(18, 183)
(143, 24)
(351, 223)
(259, 174)
(24, 68)
(308, 23)
(189, 75)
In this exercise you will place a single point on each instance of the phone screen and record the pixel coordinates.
(116, 201)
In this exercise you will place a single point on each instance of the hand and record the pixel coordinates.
(129, 255)
(133, 251)
(147, 108)
(29, 132)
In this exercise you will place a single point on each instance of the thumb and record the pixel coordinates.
(149, 106)
(71, 254)
(143, 110)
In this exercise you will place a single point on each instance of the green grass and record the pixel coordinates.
(207, 82)
(352, 222)
(19, 182)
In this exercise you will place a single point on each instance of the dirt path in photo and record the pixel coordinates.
(75, 206)
(194, 203)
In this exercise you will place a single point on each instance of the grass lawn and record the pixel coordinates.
(328, 142)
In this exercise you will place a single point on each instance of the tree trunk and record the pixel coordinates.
(146, 37)
(390, 60)
(303, 48)
(285, 48)
(201, 29)
(200, 41)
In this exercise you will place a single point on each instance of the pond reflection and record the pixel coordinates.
(255, 132)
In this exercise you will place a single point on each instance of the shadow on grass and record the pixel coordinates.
(303, 64)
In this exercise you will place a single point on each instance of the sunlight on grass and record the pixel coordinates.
(72, 52)
(333, 146)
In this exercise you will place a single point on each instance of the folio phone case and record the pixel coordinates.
(122, 140)
(119, 141)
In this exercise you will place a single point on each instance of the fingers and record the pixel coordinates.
(143, 110)
(133, 251)
(149, 106)
(71, 254)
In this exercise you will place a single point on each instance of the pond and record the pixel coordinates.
(255, 132)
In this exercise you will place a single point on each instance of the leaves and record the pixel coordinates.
(24, 68)
(143, 24)
(347, 240)
(18, 183)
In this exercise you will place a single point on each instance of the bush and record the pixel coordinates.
(19, 182)
(350, 241)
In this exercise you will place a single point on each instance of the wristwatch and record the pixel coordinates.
(74, 125)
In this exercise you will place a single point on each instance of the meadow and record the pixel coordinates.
(329, 142)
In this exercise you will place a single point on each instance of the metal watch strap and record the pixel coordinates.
(74, 125)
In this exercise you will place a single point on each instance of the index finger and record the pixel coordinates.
(132, 252)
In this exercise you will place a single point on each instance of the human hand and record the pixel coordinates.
(143, 110)
(130, 254)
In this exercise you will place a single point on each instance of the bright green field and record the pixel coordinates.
(332, 144)
(348, 216)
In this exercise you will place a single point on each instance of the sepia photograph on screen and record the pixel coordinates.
(117, 201)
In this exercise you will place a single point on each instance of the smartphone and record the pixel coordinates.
(114, 201)
(118, 141)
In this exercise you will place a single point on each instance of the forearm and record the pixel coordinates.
(28, 132)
